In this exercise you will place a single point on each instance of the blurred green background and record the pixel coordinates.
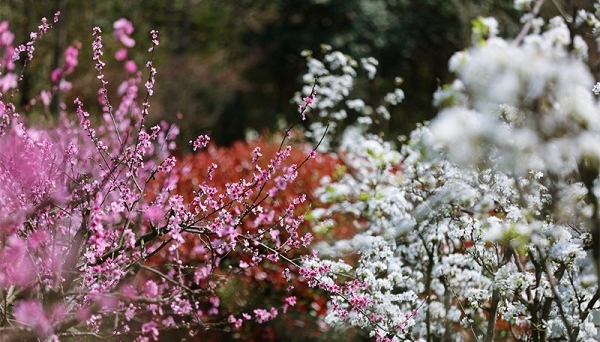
(233, 65)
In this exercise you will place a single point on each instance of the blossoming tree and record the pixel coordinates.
(92, 230)
(485, 224)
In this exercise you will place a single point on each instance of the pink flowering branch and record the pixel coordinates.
(12, 54)
(308, 101)
(103, 237)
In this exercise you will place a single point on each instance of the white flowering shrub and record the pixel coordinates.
(333, 79)
(484, 225)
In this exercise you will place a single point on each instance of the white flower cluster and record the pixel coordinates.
(333, 82)
(484, 220)
(523, 5)
(556, 125)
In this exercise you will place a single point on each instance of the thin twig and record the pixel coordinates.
(534, 13)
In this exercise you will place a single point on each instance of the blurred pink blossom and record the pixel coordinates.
(46, 97)
(71, 54)
(30, 313)
(55, 75)
(123, 29)
(130, 66)
(15, 263)
(151, 289)
(121, 54)
(65, 85)
(8, 81)
(6, 38)
(3, 26)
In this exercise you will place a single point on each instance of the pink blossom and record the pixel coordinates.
(121, 54)
(151, 289)
(46, 97)
(215, 301)
(306, 239)
(123, 29)
(65, 85)
(154, 34)
(201, 141)
(6, 37)
(3, 26)
(37, 238)
(107, 301)
(169, 321)
(130, 66)
(236, 322)
(16, 266)
(71, 61)
(150, 327)
(256, 154)
(123, 26)
(120, 206)
(151, 81)
(128, 291)
(154, 213)
(30, 313)
(83, 314)
(7, 58)
(263, 315)
(289, 301)
(8, 81)
(97, 47)
(308, 101)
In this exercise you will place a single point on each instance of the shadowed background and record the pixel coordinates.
(230, 66)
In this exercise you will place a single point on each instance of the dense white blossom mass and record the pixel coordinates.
(485, 224)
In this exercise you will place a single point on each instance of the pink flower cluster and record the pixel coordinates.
(200, 142)
(308, 101)
(8, 79)
(92, 232)
(71, 61)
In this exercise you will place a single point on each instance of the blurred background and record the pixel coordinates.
(233, 65)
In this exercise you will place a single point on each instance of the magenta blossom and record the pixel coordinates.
(55, 75)
(71, 61)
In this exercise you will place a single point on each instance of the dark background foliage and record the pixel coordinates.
(229, 66)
